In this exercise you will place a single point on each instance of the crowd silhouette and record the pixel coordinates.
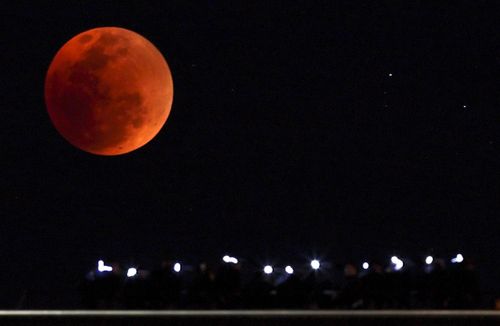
(234, 285)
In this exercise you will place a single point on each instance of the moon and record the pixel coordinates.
(108, 91)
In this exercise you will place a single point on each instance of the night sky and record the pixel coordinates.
(345, 130)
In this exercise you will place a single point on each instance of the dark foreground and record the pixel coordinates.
(242, 318)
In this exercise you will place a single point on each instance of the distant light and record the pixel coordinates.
(315, 264)
(177, 267)
(429, 260)
(230, 260)
(103, 268)
(131, 272)
(268, 269)
(289, 270)
(458, 259)
(464, 106)
(366, 265)
(390, 74)
(398, 263)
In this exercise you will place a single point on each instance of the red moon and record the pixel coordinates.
(108, 91)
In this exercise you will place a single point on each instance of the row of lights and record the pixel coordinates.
(398, 263)
(268, 269)
(132, 271)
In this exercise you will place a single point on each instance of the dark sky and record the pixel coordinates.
(287, 138)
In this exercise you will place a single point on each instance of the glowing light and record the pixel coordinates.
(177, 267)
(315, 264)
(131, 272)
(289, 270)
(458, 259)
(390, 74)
(230, 260)
(429, 260)
(366, 265)
(103, 268)
(398, 263)
(268, 269)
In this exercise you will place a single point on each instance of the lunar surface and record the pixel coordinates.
(108, 91)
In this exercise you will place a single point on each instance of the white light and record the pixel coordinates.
(429, 260)
(103, 268)
(268, 269)
(289, 270)
(398, 263)
(228, 259)
(315, 264)
(131, 272)
(177, 267)
(458, 259)
(366, 265)
(390, 74)
(465, 106)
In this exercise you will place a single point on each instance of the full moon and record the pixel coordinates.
(108, 91)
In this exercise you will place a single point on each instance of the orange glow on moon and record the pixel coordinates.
(108, 91)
